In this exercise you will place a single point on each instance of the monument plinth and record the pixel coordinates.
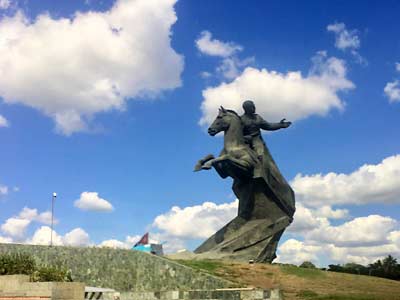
(266, 201)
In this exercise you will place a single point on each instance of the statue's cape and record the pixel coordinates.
(282, 191)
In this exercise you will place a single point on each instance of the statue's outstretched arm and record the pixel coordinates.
(273, 126)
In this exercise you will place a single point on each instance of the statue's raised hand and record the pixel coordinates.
(285, 124)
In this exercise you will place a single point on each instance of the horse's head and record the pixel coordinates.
(223, 121)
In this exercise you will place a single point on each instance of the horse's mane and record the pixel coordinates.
(233, 112)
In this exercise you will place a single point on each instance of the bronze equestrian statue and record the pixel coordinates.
(266, 201)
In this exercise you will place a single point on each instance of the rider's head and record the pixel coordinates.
(249, 107)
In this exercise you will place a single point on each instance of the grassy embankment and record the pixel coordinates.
(300, 283)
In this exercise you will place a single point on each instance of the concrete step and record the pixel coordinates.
(219, 294)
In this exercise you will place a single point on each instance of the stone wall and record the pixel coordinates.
(122, 270)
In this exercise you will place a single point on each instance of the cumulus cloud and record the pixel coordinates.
(296, 252)
(372, 230)
(231, 65)
(90, 201)
(4, 122)
(347, 40)
(115, 244)
(90, 63)
(344, 38)
(199, 221)
(306, 219)
(369, 184)
(330, 213)
(42, 236)
(361, 240)
(276, 93)
(16, 226)
(33, 215)
(213, 47)
(392, 91)
(126, 244)
(76, 237)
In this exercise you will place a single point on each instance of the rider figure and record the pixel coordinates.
(252, 123)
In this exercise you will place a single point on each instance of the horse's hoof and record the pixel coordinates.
(197, 167)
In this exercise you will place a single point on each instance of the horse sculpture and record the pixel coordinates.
(237, 159)
(266, 201)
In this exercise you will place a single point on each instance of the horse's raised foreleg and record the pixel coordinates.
(228, 165)
(200, 164)
(240, 162)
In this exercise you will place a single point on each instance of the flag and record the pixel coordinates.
(144, 240)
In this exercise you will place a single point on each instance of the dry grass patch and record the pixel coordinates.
(301, 283)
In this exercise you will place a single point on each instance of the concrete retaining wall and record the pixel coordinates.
(19, 287)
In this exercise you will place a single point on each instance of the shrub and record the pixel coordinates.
(16, 263)
(24, 264)
(51, 273)
(308, 265)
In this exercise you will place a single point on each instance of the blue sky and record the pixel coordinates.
(106, 97)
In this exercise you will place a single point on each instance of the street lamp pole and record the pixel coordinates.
(52, 218)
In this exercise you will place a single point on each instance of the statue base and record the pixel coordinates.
(255, 232)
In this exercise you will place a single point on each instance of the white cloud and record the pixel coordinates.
(33, 215)
(369, 184)
(42, 236)
(4, 4)
(115, 244)
(127, 244)
(295, 252)
(3, 189)
(278, 95)
(15, 227)
(76, 237)
(213, 47)
(306, 219)
(392, 91)
(327, 212)
(361, 240)
(132, 240)
(199, 221)
(4, 122)
(361, 255)
(91, 201)
(372, 230)
(230, 66)
(345, 39)
(5, 240)
(90, 63)
(397, 67)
